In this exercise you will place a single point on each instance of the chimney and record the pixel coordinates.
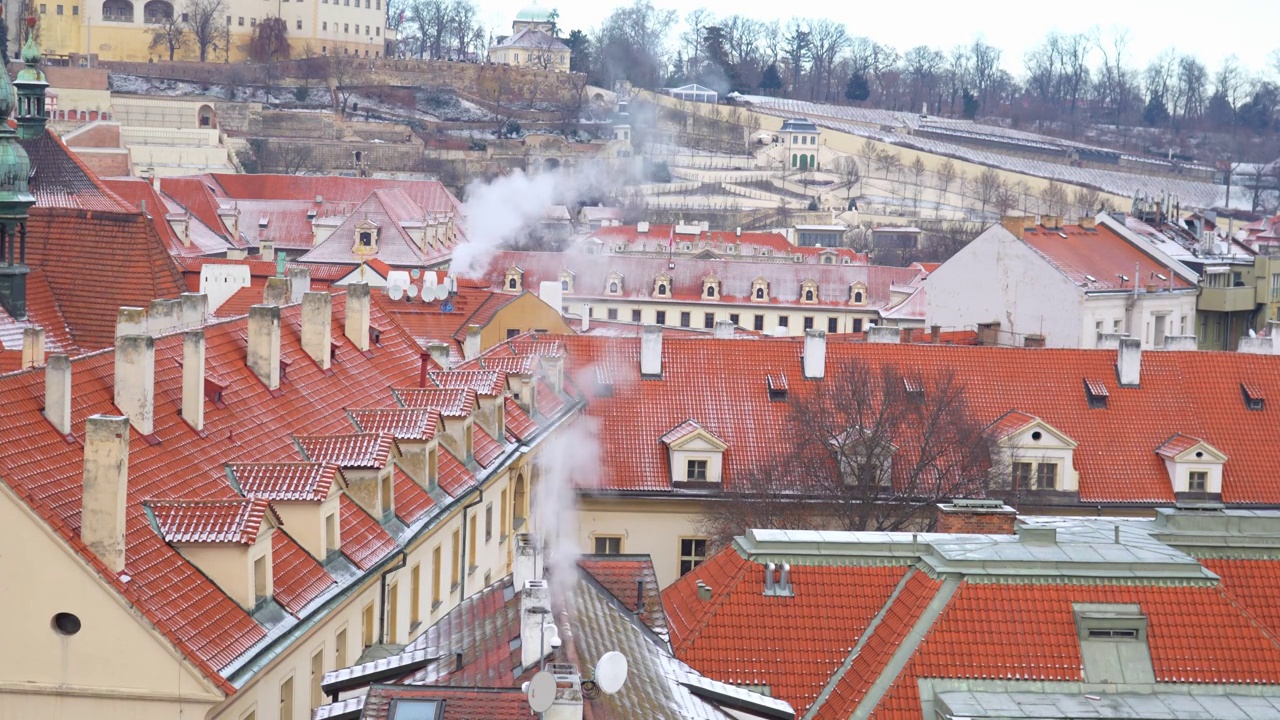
(1033, 341)
(32, 346)
(106, 484)
(1180, 342)
(524, 568)
(440, 353)
(299, 283)
(131, 321)
(908, 335)
(552, 293)
(1129, 362)
(537, 628)
(1088, 222)
(1051, 222)
(815, 354)
(263, 354)
(586, 317)
(266, 251)
(552, 367)
(989, 333)
(194, 309)
(568, 702)
(882, 334)
(163, 316)
(1014, 224)
(193, 379)
(651, 352)
(1110, 341)
(357, 321)
(57, 393)
(317, 327)
(277, 291)
(975, 517)
(135, 380)
(724, 330)
(471, 346)
(935, 333)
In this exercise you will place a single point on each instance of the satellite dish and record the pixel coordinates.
(611, 672)
(413, 291)
(396, 292)
(442, 292)
(541, 691)
(415, 273)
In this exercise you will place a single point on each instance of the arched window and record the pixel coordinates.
(857, 296)
(662, 288)
(759, 293)
(366, 238)
(808, 296)
(613, 288)
(564, 285)
(794, 159)
(206, 116)
(813, 161)
(511, 283)
(804, 162)
(156, 11)
(118, 11)
(711, 291)
(518, 509)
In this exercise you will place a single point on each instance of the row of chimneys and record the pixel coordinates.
(1018, 225)
(106, 437)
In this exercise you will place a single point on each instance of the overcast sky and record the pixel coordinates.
(1211, 29)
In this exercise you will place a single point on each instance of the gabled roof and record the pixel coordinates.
(632, 581)
(1103, 255)
(484, 382)
(297, 577)
(1179, 444)
(399, 423)
(356, 450)
(284, 480)
(535, 39)
(450, 402)
(209, 521)
(455, 703)
(689, 429)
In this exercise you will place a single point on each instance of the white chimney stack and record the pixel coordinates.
(651, 352)
(1129, 362)
(131, 321)
(299, 283)
(193, 352)
(277, 291)
(551, 293)
(317, 327)
(537, 627)
(525, 566)
(882, 334)
(586, 317)
(724, 330)
(440, 353)
(135, 380)
(57, 392)
(106, 485)
(471, 346)
(263, 354)
(815, 354)
(163, 316)
(357, 321)
(32, 346)
(194, 309)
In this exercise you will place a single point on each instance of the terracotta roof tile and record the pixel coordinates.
(412, 502)
(1177, 445)
(454, 477)
(357, 450)
(450, 402)
(1099, 254)
(484, 382)
(518, 422)
(619, 574)
(1254, 583)
(59, 179)
(548, 402)
(399, 423)
(457, 704)
(296, 576)
(284, 480)
(486, 449)
(364, 542)
(209, 521)
(481, 628)
(483, 313)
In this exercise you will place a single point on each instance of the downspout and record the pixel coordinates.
(382, 581)
(462, 576)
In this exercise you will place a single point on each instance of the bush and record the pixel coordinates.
(300, 93)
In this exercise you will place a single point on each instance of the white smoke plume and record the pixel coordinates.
(568, 462)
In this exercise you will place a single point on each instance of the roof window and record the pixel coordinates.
(1095, 392)
(777, 383)
(1252, 393)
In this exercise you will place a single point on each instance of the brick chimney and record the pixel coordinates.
(135, 371)
(980, 517)
(277, 291)
(357, 321)
(1015, 224)
(106, 484)
(1033, 341)
(989, 333)
(935, 333)
(651, 352)
(32, 346)
(193, 352)
(471, 346)
(57, 392)
(815, 354)
(317, 327)
(1088, 222)
(263, 353)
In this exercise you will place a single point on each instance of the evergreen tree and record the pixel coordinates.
(971, 104)
(771, 80)
(1155, 113)
(858, 89)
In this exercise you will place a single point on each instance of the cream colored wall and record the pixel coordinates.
(523, 314)
(746, 311)
(115, 668)
(647, 527)
(228, 565)
(524, 57)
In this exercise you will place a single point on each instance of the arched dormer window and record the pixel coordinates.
(809, 291)
(662, 286)
(157, 11)
(117, 11)
(366, 239)
(710, 287)
(858, 293)
(514, 279)
(566, 281)
(760, 290)
(613, 284)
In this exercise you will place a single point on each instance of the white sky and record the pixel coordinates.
(1210, 29)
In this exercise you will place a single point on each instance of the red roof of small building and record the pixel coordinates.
(450, 402)
(209, 521)
(297, 578)
(484, 382)
(364, 542)
(356, 450)
(284, 480)
(1102, 255)
(620, 575)
(399, 423)
(486, 449)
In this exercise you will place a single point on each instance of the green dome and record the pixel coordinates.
(534, 13)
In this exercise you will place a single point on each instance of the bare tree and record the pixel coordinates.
(847, 167)
(168, 33)
(917, 169)
(1086, 201)
(206, 24)
(987, 185)
(289, 158)
(873, 450)
(1053, 198)
(946, 174)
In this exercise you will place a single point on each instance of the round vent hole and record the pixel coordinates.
(1037, 435)
(66, 623)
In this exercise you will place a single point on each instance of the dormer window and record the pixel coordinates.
(695, 454)
(662, 286)
(777, 384)
(1252, 393)
(809, 292)
(1037, 455)
(858, 293)
(1194, 466)
(696, 471)
(710, 287)
(366, 238)
(566, 281)
(1095, 392)
(760, 290)
(613, 284)
(513, 281)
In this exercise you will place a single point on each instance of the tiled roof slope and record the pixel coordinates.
(353, 450)
(284, 480)
(457, 703)
(209, 521)
(1100, 254)
(751, 244)
(139, 194)
(42, 310)
(252, 426)
(428, 322)
(59, 179)
(619, 574)
(297, 577)
(721, 385)
(791, 644)
(1254, 583)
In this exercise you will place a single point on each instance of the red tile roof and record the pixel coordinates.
(1255, 585)
(457, 703)
(450, 402)
(209, 521)
(399, 423)
(1008, 424)
(428, 322)
(364, 542)
(486, 449)
(284, 480)
(619, 575)
(297, 578)
(412, 502)
(139, 194)
(454, 478)
(357, 450)
(484, 382)
(517, 421)
(42, 310)
(1100, 254)
(1176, 445)
(679, 432)
(60, 179)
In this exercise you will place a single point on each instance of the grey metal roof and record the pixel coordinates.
(1065, 706)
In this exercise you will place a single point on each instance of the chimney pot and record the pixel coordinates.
(263, 353)
(106, 485)
(935, 333)
(193, 360)
(135, 363)
(586, 317)
(815, 354)
(768, 578)
(163, 316)
(317, 327)
(471, 346)
(32, 346)
(131, 321)
(651, 352)
(57, 392)
(1129, 362)
(724, 329)
(357, 317)
(277, 291)
(194, 309)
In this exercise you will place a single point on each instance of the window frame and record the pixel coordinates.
(608, 540)
(696, 469)
(1202, 476)
(692, 557)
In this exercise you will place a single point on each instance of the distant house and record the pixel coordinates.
(801, 138)
(532, 42)
(695, 93)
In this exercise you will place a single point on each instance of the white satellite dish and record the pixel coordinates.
(611, 672)
(541, 691)
(442, 292)
(429, 279)
(396, 292)
(413, 291)
(415, 273)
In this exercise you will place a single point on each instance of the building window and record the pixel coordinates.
(340, 649)
(253, 22)
(42, 8)
(1046, 476)
(611, 313)
(1198, 480)
(435, 578)
(857, 325)
(608, 545)
(733, 318)
(759, 323)
(696, 471)
(662, 289)
(808, 294)
(635, 316)
(857, 297)
(709, 320)
(317, 672)
(366, 626)
(1021, 475)
(759, 293)
(660, 317)
(330, 534)
(808, 322)
(393, 611)
(455, 560)
(686, 319)
(117, 11)
(59, 8)
(471, 545)
(260, 591)
(784, 321)
(692, 552)
(75, 9)
(240, 21)
(488, 522)
(711, 291)
(833, 325)
(415, 596)
(299, 24)
(286, 699)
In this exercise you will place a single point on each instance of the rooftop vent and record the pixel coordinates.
(1252, 393)
(777, 580)
(1095, 392)
(263, 220)
(319, 199)
(777, 383)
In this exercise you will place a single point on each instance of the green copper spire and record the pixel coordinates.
(31, 86)
(15, 197)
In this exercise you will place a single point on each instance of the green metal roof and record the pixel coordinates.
(534, 13)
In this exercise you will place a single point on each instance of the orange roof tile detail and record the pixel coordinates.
(450, 402)
(1176, 445)
(364, 542)
(412, 502)
(486, 449)
(285, 480)
(547, 402)
(209, 521)
(454, 477)
(739, 634)
(484, 382)
(459, 704)
(357, 450)
(297, 578)
(1255, 584)
(1102, 255)
(619, 575)
(1008, 424)
(399, 423)
(518, 422)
